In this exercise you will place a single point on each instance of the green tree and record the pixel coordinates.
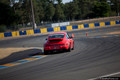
(41, 11)
(71, 10)
(59, 1)
(7, 2)
(85, 8)
(18, 10)
(74, 10)
(7, 15)
(26, 12)
(36, 11)
(50, 11)
(59, 14)
(115, 6)
(101, 9)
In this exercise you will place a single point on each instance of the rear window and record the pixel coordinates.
(56, 36)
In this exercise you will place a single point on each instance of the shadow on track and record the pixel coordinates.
(20, 55)
(56, 52)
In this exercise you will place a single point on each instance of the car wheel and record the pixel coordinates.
(73, 46)
(46, 52)
(69, 48)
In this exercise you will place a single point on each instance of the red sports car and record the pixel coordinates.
(58, 41)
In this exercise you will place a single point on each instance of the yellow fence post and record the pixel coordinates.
(15, 33)
(102, 24)
(112, 23)
(56, 29)
(43, 30)
(29, 32)
(91, 25)
(81, 26)
(1, 35)
(69, 27)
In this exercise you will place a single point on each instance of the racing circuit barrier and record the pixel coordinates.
(56, 29)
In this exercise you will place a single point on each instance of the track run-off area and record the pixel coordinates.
(96, 55)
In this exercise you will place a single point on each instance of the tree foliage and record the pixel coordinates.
(101, 9)
(59, 14)
(49, 10)
(25, 12)
(115, 6)
(7, 15)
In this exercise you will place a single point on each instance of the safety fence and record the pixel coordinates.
(56, 29)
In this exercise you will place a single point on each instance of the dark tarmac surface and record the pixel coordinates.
(93, 57)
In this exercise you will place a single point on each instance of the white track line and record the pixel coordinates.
(108, 75)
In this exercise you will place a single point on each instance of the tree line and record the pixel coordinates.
(55, 10)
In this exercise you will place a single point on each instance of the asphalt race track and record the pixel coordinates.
(94, 56)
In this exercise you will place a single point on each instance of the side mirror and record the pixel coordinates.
(72, 35)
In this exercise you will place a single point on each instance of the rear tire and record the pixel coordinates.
(69, 48)
(73, 46)
(46, 52)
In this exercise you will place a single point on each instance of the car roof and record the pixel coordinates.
(58, 33)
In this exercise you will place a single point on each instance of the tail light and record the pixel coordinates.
(66, 43)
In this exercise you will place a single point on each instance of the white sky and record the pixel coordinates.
(64, 1)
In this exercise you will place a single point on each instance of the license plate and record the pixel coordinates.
(55, 47)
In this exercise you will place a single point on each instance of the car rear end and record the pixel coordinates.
(56, 43)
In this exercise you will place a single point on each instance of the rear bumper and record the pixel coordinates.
(56, 47)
